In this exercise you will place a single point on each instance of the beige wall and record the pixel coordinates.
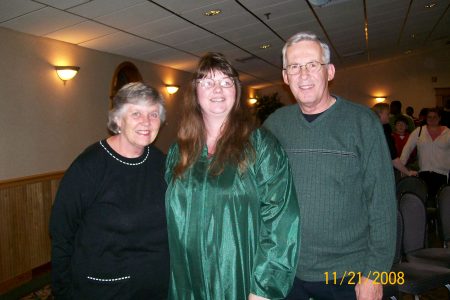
(408, 79)
(44, 124)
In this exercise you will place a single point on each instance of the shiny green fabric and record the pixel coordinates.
(233, 234)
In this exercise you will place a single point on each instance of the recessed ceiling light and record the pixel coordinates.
(213, 12)
(265, 46)
(430, 5)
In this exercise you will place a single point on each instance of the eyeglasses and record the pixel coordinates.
(208, 83)
(311, 67)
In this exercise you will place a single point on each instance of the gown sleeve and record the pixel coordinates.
(279, 239)
(171, 160)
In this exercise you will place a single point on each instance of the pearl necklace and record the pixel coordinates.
(124, 162)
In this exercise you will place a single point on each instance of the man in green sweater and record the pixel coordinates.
(343, 177)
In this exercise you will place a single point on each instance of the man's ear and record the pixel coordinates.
(331, 70)
(285, 77)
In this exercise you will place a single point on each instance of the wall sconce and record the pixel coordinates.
(172, 89)
(66, 72)
(252, 101)
(380, 99)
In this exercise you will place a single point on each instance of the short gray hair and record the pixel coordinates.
(307, 36)
(134, 93)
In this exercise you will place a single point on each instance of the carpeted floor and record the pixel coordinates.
(40, 288)
(44, 293)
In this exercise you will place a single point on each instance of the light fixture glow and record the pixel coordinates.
(380, 99)
(430, 5)
(172, 89)
(66, 72)
(265, 46)
(213, 12)
(252, 101)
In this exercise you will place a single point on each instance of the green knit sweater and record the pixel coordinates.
(345, 188)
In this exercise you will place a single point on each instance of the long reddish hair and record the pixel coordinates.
(233, 145)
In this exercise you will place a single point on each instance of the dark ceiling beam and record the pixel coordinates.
(324, 31)
(404, 23)
(436, 24)
(221, 37)
(260, 20)
(366, 31)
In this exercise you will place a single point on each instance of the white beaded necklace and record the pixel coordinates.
(124, 162)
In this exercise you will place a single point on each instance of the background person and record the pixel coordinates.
(400, 133)
(410, 113)
(232, 210)
(400, 136)
(343, 177)
(433, 150)
(422, 120)
(382, 111)
(108, 227)
(396, 111)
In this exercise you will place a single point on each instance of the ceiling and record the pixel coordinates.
(175, 33)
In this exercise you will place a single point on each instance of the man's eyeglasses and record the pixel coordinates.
(311, 67)
(208, 83)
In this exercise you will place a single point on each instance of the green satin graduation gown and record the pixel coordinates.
(236, 233)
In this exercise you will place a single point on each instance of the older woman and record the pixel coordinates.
(433, 149)
(108, 228)
(232, 212)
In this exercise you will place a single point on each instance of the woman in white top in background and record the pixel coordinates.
(433, 149)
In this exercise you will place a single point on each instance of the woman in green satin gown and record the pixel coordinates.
(232, 211)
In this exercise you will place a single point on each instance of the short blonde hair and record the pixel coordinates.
(379, 108)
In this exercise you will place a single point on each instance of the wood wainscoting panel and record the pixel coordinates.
(25, 206)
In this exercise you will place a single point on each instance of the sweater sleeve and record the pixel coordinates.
(277, 252)
(379, 192)
(410, 145)
(66, 216)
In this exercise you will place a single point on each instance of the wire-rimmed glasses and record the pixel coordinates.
(208, 83)
(311, 67)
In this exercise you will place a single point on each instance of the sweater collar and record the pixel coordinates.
(323, 115)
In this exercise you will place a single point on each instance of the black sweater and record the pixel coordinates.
(108, 227)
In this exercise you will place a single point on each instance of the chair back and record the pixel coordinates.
(412, 184)
(398, 245)
(414, 222)
(443, 197)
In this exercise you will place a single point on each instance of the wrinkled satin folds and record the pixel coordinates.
(233, 234)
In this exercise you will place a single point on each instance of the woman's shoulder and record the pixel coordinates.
(91, 153)
(156, 153)
(85, 164)
(173, 149)
(261, 133)
(263, 138)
